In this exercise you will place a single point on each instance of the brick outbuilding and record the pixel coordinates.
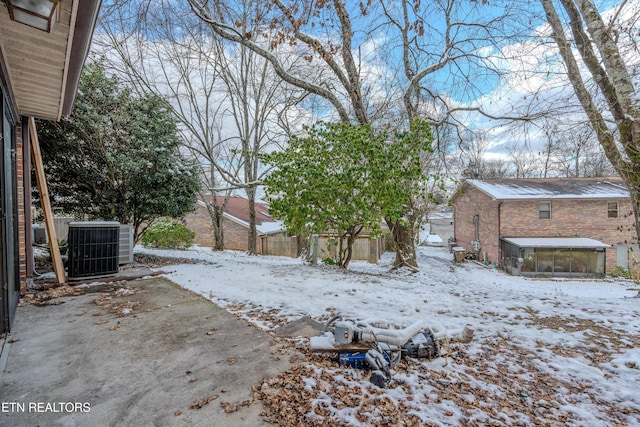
(556, 227)
(272, 238)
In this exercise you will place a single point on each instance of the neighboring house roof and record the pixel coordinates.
(237, 209)
(43, 69)
(556, 242)
(553, 188)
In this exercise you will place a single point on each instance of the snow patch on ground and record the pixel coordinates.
(545, 351)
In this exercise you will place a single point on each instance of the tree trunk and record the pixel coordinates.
(597, 43)
(348, 251)
(138, 229)
(403, 239)
(216, 214)
(632, 182)
(252, 235)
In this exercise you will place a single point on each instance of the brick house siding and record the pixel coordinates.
(466, 206)
(235, 235)
(199, 222)
(24, 208)
(271, 242)
(580, 216)
(236, 230)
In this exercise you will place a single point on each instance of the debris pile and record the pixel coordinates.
(113, 301)
(49, 296)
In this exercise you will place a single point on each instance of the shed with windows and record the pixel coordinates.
(554, 256)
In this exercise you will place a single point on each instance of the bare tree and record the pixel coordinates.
(523, 160)
(229, 106)
(549, 149)
(474, 161)
(578, 153)
(595, 54)
(349, 46)
(256, 102)
(579, 143)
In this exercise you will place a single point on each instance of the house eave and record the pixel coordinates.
(42, 69)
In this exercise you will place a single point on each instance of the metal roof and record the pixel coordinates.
(553, 188)
(556, 242)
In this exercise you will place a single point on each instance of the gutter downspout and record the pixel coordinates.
(500, 254)
(84, 15)
(499, 219)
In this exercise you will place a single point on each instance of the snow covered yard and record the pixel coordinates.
(546, 352)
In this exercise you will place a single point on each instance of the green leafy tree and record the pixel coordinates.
(344, 178)
(117, 156)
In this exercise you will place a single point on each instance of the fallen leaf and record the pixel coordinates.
(229, 407)
(201, 402)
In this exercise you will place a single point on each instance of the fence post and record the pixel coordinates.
(314, 249)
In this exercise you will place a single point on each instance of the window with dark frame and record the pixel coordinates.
(544, 210)
(612, 210)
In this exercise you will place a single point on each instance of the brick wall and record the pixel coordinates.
(200, 223)
(468, 203)
(23, 227)
(520, 218)
(235, 235)
(571, 218)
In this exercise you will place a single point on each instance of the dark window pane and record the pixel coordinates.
(544, 210)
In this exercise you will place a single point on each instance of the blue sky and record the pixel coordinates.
(462, 84)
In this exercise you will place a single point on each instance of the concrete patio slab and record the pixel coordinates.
(141, 352)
